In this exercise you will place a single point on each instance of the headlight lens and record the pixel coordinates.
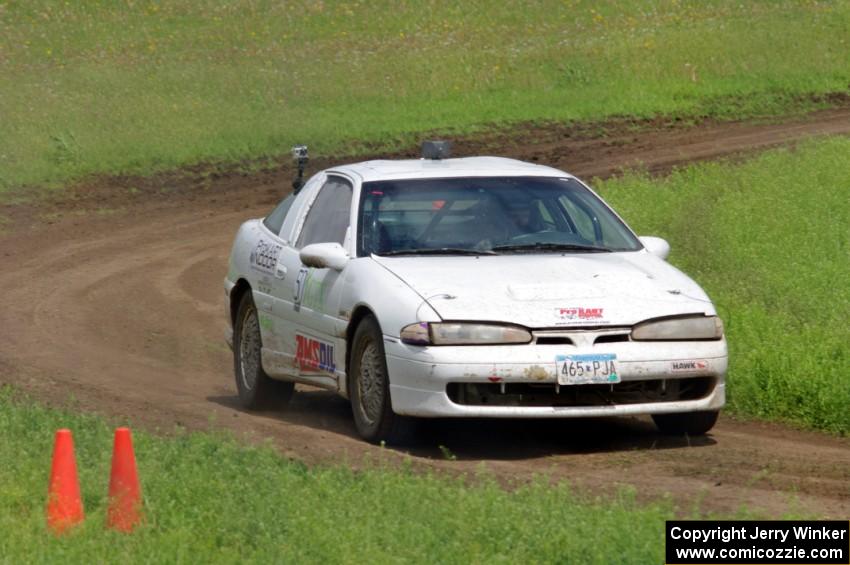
(456, 333)
(681, 329)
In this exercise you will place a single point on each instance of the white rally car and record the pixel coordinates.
(473, 287)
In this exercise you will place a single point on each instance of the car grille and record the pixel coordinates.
(581, 336)
(628, 392)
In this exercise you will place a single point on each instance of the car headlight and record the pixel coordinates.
(457, 333)
(681, 329)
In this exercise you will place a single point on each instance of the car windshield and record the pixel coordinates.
(493, 215)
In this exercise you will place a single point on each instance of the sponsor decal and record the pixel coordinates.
(579, 315)
(688, 366)
(314, 355)
(263, 285)
(264, 256)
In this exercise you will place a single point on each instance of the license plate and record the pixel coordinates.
(587, 369)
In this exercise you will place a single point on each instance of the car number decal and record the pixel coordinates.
(299, 288)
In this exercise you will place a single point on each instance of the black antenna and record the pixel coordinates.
(299, 154)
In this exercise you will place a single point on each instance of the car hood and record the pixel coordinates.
(551, 290)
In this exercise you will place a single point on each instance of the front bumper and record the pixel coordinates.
(424, 380)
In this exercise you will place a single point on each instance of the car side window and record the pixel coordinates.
(329, 216)
(274, 221)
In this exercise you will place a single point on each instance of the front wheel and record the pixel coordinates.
(369, 389)
(256, 389)
(690, 423)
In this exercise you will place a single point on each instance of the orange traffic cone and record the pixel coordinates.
(64, 505)
(125, 494)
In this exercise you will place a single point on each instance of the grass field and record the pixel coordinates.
(769, 240)
(208, 499)
(115, 86)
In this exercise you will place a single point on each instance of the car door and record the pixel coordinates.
(264, 260)
(311, 296)
(272, 293)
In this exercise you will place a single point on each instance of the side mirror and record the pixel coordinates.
(656, 245)
(324, 256)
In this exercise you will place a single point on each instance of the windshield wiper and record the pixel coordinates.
(436, 251)
(550, 247)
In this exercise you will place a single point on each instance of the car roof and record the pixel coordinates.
(443, 168)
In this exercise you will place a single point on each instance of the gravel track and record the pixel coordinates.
(113, 303)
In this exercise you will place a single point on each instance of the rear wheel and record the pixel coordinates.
(369, 389)
(256, 388)
(691, 423)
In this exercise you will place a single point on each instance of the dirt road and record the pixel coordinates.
(113, 301)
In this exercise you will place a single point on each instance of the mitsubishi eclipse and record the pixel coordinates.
(467, 287)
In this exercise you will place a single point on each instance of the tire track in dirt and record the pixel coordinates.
(125, 312)
(656, 150)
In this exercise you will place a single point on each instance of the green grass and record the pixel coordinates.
(115, 86)
(769, 240)
(209, 499)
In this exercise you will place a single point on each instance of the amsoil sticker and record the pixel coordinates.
(264, 256)
(579, 315)
(688, 366)
(314, 355)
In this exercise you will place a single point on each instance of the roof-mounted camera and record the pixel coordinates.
(436, 150)
(300, 156)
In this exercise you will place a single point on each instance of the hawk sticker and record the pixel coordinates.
(688, 366)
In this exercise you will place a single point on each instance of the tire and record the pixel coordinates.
(256, 389)
(690, 423)
(369, 389)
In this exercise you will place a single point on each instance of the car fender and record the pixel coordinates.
(394, 303)
(370, 286)
(239, 263)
